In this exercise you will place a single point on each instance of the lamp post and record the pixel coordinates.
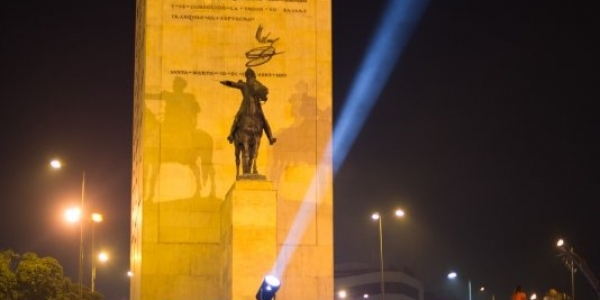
(561, 244)
(482, 289)
(453, 275)
(343, 294)
(102, 257)
(57, 164)
(96, 218)
(73, 215)
(376, 216)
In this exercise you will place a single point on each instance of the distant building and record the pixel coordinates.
(358, 281)
(553, 294)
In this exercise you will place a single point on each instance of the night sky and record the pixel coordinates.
(486, 134)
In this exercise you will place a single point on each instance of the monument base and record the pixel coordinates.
(248, 222)
(251, 177)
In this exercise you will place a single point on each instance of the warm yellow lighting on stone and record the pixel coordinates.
(184, 167)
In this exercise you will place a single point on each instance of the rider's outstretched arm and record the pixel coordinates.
(232, 84)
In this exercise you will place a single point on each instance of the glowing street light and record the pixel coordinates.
(533, 296)
(377, 217)
(570, 263)
(452, 275)
(57, 164)
(102, 257)
(343, 294)
(72, 215)
(482, 290)
(96, 218)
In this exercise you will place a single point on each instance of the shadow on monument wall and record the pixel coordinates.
(300, 145)
(172, 137)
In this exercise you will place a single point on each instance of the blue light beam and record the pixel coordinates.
(400, 19)
(394, 31)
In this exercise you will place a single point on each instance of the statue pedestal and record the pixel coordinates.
(248, 222)
(253, 177)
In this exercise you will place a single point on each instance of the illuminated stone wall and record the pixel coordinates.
(183, 166)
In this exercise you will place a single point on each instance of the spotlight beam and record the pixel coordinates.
(393, 33)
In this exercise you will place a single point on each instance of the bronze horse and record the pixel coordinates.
(249, 123)
(247, 140)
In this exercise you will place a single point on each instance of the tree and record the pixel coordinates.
(8, 279)
(40, 278)
(29, 277)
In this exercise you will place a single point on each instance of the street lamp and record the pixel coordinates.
(453, 275)
(102, 257)
(570, 263)
(57, 164)
(377, 217)
(74, 215)
(343, 294)
(96, 218)
(482, 290)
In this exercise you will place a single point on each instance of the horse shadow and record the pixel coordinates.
(300, 143)
(172, 137)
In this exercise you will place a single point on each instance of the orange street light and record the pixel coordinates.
(96, 218)
(102, 257)
(57, 164)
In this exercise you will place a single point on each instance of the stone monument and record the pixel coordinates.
(210, 219)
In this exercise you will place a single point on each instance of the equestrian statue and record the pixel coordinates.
(249, 124)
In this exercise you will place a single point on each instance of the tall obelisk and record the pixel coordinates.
(195, 229)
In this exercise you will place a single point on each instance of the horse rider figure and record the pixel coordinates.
(252, 90)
